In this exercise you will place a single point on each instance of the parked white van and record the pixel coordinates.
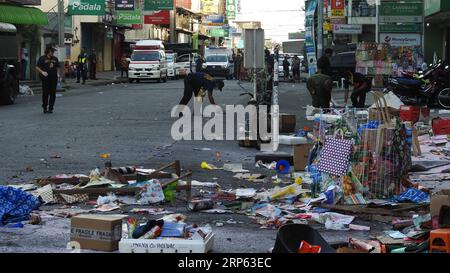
(148, 61)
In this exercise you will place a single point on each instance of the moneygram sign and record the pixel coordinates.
(86, 7)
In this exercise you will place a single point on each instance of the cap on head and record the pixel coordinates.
(220, 84)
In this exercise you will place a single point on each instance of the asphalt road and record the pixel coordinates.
(132, 123)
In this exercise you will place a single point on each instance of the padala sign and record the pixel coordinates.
(129, 17)
(86, 7)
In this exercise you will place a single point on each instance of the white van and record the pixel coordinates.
(148, 61)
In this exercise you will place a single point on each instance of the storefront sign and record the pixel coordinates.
(215, 20)
(401, 28)
(129, 17)
(309, 38)
(401, 39)
(347, 29)
(153, 5)
(217, 32)
(401, 12)
(210, 6)
(157, 18)
(231, 9)
(124, 4)
(337, 8)
(86, 7)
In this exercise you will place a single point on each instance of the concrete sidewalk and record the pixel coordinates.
(103, 78)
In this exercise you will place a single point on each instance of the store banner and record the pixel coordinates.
(401, 39)
(401, 12)
(215, 20)
(210, 6)
(86, 7)
(347, 29)
(337, 8)
(409, 28)
(231, 9)
(217, 32)
(129, 17)
(161, 17)
(124, 4)
(155, 5)
(310, 44)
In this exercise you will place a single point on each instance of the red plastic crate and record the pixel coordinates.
(441, 126)
(409, 113)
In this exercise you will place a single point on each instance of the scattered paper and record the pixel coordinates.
(234, 167)
(395, 234)
(107, 207)
(245, 193)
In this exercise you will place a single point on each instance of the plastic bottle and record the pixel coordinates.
(288, 190)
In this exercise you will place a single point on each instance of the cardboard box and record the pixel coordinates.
(97, 232)
(288, 123)
(301, 153)
(170, 245)
(438, 200)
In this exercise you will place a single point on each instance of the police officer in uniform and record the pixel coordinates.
(47, 66)
(82, 69)
(198, 83)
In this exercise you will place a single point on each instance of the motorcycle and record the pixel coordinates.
(428, 88)
(263, 98)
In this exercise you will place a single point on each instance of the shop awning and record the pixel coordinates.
(22, 15)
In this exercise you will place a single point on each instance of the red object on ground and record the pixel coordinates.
(305, 247)
(441, 126)
(409, 113)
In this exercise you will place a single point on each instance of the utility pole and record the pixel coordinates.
(320, 29)
(377, 23)
(173, 25)
(61, 44)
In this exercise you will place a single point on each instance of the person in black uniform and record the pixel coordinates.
(197, 83)
(93, 65)
(47, 66)
(323, 64)
(361, 86)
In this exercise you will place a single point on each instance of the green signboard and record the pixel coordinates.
(401, 9)
(432, 7)
(129, 17)
(217, 32)
(152, 5)
(401, 28)
(231, 9)
(86, 7)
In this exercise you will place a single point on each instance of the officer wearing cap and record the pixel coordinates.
(47, 67)
(361, 86)
(199, 83)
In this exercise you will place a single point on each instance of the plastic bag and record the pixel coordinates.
(151, 192)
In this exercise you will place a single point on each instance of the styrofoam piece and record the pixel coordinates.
(328, 118)
(167, 245)
(292, 140)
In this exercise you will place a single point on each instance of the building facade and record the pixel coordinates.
(437, 30)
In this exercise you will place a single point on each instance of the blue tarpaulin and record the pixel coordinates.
(16, 205)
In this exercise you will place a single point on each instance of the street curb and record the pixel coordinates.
(94, 84)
